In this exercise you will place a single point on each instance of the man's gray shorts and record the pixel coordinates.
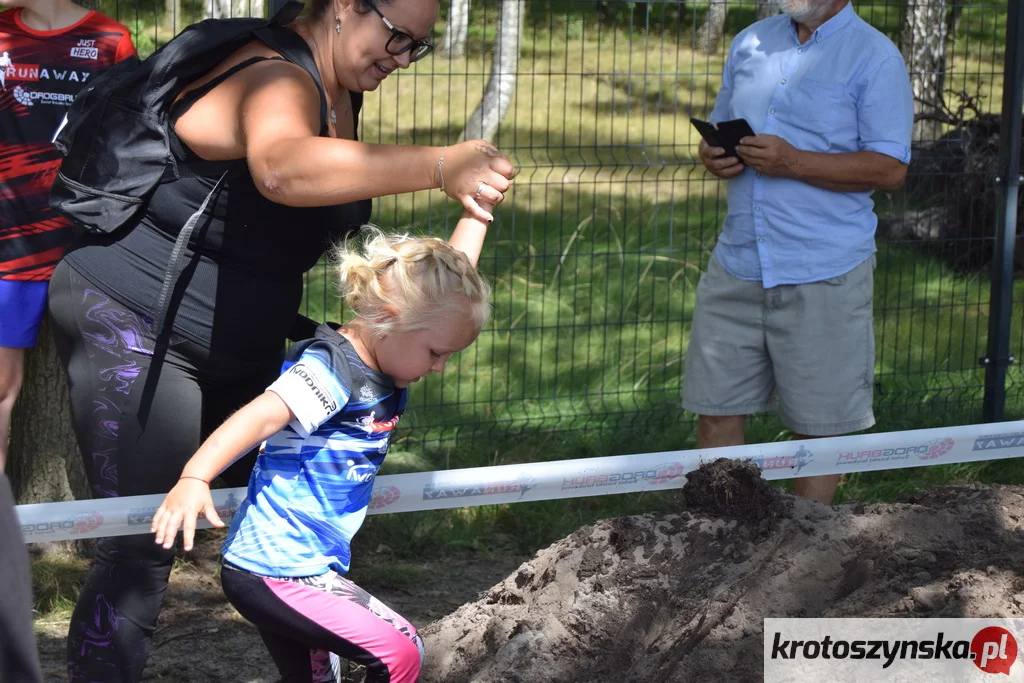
(807, 351)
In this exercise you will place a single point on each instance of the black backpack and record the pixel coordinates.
(115, 140)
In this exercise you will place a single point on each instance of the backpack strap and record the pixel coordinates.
(293, 48)
(177, 261)
(288, 12)
(195, 165)
(181, 107)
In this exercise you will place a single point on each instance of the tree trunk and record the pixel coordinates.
(217, 9)
(456, 33)
(767, 8)
(173, 17)
(924, 50)
(44, 463)
(711, 31)
(253, 8)
(484, 122)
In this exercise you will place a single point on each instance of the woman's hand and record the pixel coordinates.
(182, 506)
(475, 173)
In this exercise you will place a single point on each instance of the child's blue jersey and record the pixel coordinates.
(312, 482)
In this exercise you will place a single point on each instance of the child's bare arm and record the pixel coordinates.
(469, 233)
(259, 419)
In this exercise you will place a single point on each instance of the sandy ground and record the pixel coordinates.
(201, 639)
(681, 597)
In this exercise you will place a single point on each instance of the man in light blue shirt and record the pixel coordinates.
(783, 316)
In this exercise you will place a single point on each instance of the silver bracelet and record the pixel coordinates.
(440, 167)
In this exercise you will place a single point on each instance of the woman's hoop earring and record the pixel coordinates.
(337, 23)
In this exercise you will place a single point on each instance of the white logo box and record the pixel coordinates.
(886, 650)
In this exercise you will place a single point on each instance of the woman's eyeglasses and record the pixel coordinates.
(401, 42)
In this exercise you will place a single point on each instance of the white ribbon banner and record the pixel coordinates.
(571, 478)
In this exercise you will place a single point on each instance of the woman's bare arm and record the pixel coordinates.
(276, 128)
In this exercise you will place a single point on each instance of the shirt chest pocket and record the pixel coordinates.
(817, 104)
(825, 110)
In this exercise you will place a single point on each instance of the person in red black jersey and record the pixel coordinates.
(49, 49)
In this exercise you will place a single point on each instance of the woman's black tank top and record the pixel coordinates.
(242, 291)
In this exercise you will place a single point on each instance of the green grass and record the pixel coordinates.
(56, 580)
(592, 317)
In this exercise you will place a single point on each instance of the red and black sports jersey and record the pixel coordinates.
(40, 74)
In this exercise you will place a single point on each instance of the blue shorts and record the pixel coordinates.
(22, 305)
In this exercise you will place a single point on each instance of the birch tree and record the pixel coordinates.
(223, 9)
(767, 8)
(710, 33)
(456, 33)
(501, 85)
(924, 42)
(173, 17)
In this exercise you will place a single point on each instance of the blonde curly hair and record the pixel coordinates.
(420, 277)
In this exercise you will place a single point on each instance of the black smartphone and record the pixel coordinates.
(727, 135)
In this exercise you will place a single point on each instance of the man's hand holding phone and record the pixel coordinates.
(770, 155)
(717, 164)
(717, 148)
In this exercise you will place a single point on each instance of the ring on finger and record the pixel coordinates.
(480, 189)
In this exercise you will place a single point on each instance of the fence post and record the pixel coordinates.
(1007, 182)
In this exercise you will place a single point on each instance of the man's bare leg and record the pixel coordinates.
(714, 431)
(821, 488)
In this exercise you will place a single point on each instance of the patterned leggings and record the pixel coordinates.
(139, 415)
(303, 620)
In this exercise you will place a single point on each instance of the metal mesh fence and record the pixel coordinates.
(596, 254)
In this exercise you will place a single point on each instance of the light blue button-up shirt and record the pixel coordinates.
(845, 90)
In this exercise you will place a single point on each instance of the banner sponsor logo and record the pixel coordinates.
(796, 462)
(930, 450)
(994, 442)
(667, 472)
(82, 523)
(655, 476)
(141, 516)
(387, 495)
(229, 507)
(436, 492)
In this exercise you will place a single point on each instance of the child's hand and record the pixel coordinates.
(182, 507)
(484, 205)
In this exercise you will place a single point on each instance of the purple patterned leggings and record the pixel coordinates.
(140, 410)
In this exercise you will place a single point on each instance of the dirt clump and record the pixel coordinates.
(735, 489)
(682, 597)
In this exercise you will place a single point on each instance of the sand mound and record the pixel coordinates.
(667, 598)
